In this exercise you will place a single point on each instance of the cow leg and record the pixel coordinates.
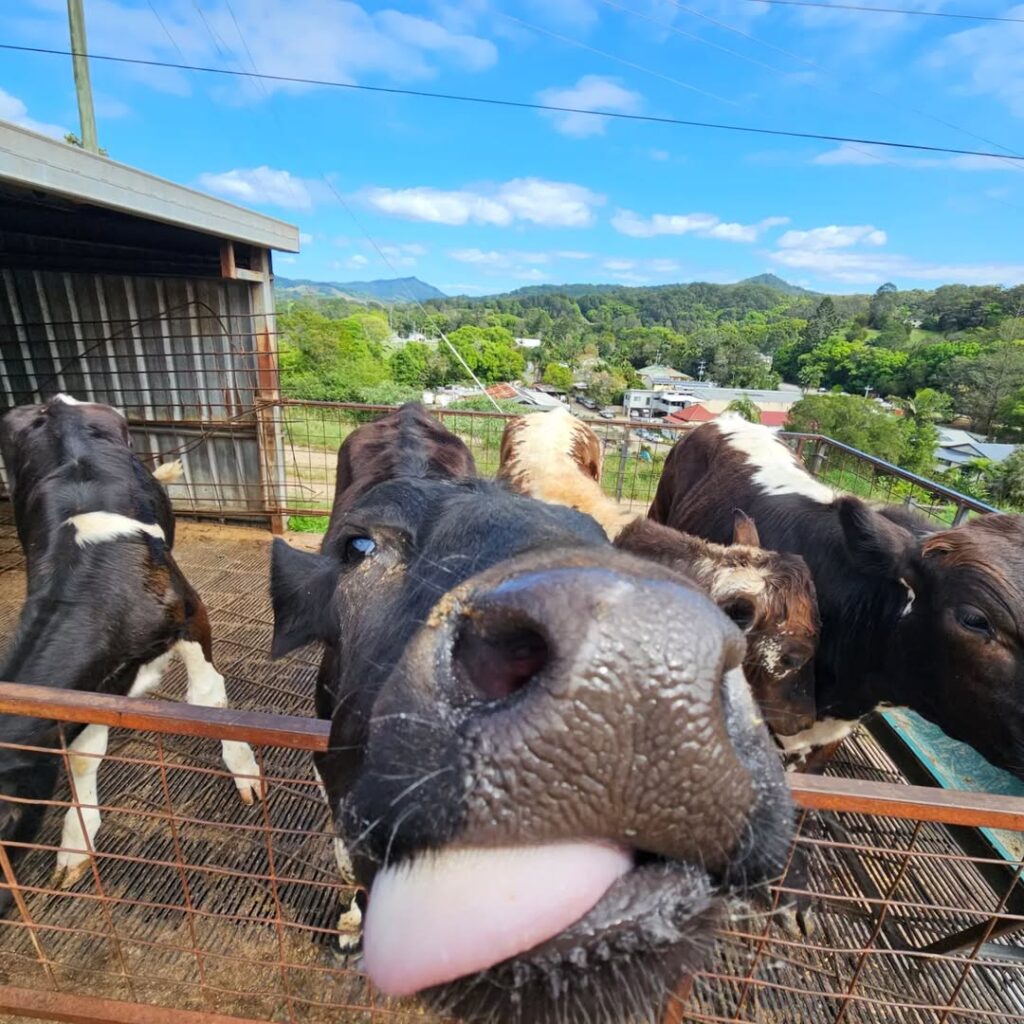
(206, 689)
(81, 823)
(350, 922)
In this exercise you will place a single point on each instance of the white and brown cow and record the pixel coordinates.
(931, 619)
(553, 456)
(544, 759)
(107, 607)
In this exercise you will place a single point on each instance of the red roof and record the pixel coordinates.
(691, 414)
(774, 419)
(500, 391)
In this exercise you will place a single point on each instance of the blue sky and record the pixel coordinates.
(481, 199)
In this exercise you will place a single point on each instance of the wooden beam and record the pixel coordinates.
(227, 260)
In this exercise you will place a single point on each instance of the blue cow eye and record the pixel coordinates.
(357, 548)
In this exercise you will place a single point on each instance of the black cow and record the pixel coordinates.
(910, 615)
(544, 760)
(107, 607)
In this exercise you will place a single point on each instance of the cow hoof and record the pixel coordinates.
(246, 772)
(66, 875)
(349, 940)
(249, 790)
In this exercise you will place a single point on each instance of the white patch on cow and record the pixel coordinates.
(733, 581)
(776, 470)
(769, 651)
(908, 607)
(69, 400)
(206, 689)
(822, 733)
(741, 698)
(82, 821)
(101, 527)
(169, 472)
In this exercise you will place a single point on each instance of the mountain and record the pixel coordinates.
(398, 289)
(771, 281)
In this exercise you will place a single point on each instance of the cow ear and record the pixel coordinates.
(876, 544)
(302, 586)
(744, 530)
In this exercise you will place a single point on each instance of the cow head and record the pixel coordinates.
(543, 756)
(769, 595)
(957, 600)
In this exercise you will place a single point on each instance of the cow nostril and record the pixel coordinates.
(498, 657)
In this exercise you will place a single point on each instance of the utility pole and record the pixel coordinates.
(79, 49)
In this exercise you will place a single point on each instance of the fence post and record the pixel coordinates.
(961, 513)
(620, 481)
(819, 458)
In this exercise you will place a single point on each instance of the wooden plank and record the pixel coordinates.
(75, 1008)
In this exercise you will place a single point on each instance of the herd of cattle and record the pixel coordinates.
(556, 726)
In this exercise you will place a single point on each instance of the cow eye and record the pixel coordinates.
(973, 620)
(741, 611)
(358, 548)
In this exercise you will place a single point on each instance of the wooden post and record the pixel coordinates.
(83, 87)
(620, 480)
(269, 439)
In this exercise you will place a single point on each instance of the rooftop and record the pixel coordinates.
(40, 164)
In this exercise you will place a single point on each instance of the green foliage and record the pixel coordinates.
(745, 407)
(490, 352)
(1007, 481)
(557, 375)
(860, 422)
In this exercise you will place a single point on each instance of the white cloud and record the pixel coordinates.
(357, 262)
(593, 92)
(336, 40)
(548, 203)
(988, 61)
(640, 271)
(478, 257)
(864, 155)
(403, 254)
(580, 14)
(876, 268)
(260, 185)
(573, 254)
(513, 257)
(305, 238)
(110, 106)
(658, 154)
(833, 237)
(618, 264)
(14, 110)
(704, 225)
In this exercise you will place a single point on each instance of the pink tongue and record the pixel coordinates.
(459, 911)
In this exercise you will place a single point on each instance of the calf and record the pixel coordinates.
(107, 607)
(910, 615)
(555, 457)
(544, 760)
(769, 595)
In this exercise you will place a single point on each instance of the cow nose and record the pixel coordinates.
(622, 698)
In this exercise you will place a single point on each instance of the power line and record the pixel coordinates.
(887, 10)
(522, 104)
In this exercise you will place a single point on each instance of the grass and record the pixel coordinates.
(308, 524)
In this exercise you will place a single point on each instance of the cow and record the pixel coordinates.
(555, 457)
(911, 615)
(544, 760)
(768, 595)
(106, 610)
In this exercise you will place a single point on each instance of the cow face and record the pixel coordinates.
(768, 595)
(959, 650)
(543, 756)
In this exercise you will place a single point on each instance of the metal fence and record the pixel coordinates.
(206, 912)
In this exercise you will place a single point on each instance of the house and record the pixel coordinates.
(694, 414)
(522, 395)
(528, 342)
(643, 403)
(959, 447)
(657, 376)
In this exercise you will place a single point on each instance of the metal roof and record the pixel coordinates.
(30, 160)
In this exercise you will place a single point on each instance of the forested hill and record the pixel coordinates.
(399, 289)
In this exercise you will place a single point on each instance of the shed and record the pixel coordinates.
(117, 286)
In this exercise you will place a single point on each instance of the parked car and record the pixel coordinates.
(607, 414)
(649, 435)
(588, 403)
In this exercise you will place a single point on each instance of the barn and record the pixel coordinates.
(121, 287)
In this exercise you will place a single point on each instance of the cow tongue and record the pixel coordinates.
(452, 913)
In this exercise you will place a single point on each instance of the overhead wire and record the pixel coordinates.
(956, 15)
(517, 104)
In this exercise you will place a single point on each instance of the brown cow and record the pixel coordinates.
(555, 457)
(911, 615)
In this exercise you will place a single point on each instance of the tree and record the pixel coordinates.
(745, 407)
(989, 382)
(1007, 486)
(606, 385)
(860, 422)
(883, 306)
(558, 376)
(825, 322)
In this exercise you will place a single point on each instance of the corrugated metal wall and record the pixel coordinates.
(178, 357)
